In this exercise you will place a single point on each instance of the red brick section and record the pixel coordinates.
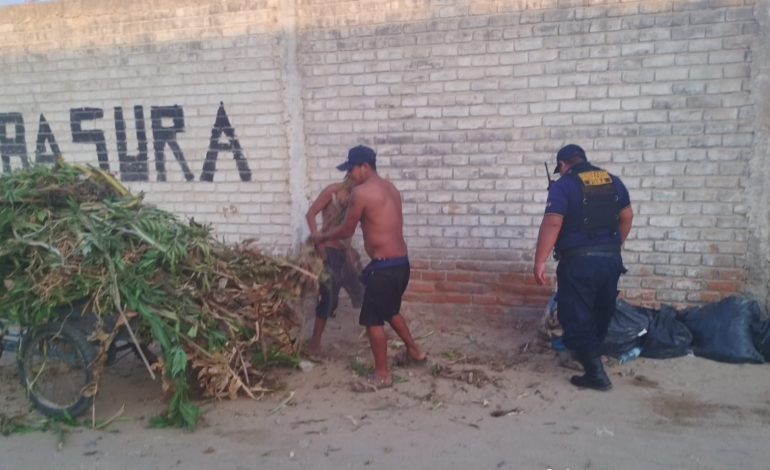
(486, 286)
(492, 286)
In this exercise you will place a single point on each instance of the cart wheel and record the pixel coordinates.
(112, 354)
(151, 357)
(2, 346)
(54, 368)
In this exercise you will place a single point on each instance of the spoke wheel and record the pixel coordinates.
(54, 369)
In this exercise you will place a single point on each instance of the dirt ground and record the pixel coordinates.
(686, 413)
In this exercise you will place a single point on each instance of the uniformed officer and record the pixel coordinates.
(587, 218)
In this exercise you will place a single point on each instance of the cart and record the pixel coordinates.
(55, 360)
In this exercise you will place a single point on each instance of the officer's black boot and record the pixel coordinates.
(595, 377)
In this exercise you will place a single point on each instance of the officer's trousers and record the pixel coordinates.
(588, 288)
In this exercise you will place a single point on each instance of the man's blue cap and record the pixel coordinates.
(358, 156)
(567, 152)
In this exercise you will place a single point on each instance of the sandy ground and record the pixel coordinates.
(686, 413)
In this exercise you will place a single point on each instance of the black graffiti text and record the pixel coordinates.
(132, 167)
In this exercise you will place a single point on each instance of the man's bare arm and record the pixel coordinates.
(626, 216)
(323, 199)
(546, 239)
(356, 206)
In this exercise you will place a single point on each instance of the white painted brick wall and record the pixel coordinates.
(463, 100)
(656, 92)
(165, 57)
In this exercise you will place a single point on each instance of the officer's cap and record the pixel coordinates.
(568, 152)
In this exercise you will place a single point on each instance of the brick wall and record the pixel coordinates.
(186, 61)
(463, 100)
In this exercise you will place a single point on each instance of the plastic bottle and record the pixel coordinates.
(630, 354)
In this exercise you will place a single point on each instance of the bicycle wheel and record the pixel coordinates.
(2, 337)
(54, 369)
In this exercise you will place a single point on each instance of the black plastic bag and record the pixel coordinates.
(627, 326)
(722, 330)
(666, 337)
(761, 333)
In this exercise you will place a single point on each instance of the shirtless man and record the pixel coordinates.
(376, 203)
(339, 258)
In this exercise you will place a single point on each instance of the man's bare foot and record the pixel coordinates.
(408, 358)
(314, 351)
(417, 354)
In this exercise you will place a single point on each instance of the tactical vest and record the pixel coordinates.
(600, 209)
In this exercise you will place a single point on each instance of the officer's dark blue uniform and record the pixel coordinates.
(588, 249)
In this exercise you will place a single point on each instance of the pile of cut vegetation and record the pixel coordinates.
(70, 232)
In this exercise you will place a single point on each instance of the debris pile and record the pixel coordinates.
(70, 232)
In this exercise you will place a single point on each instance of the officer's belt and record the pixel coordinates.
(596, 250)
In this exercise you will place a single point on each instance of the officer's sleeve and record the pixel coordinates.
(624, 200)
(557, 200)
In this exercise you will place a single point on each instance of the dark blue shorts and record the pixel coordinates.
(329, 290)
(382, 294)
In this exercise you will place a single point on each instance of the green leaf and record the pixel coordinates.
(361, 369)
(178, 361)
(158, 330)
(190, 414)
(41, 215)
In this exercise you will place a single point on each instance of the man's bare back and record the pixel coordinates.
(333, 213)
(382, 221)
